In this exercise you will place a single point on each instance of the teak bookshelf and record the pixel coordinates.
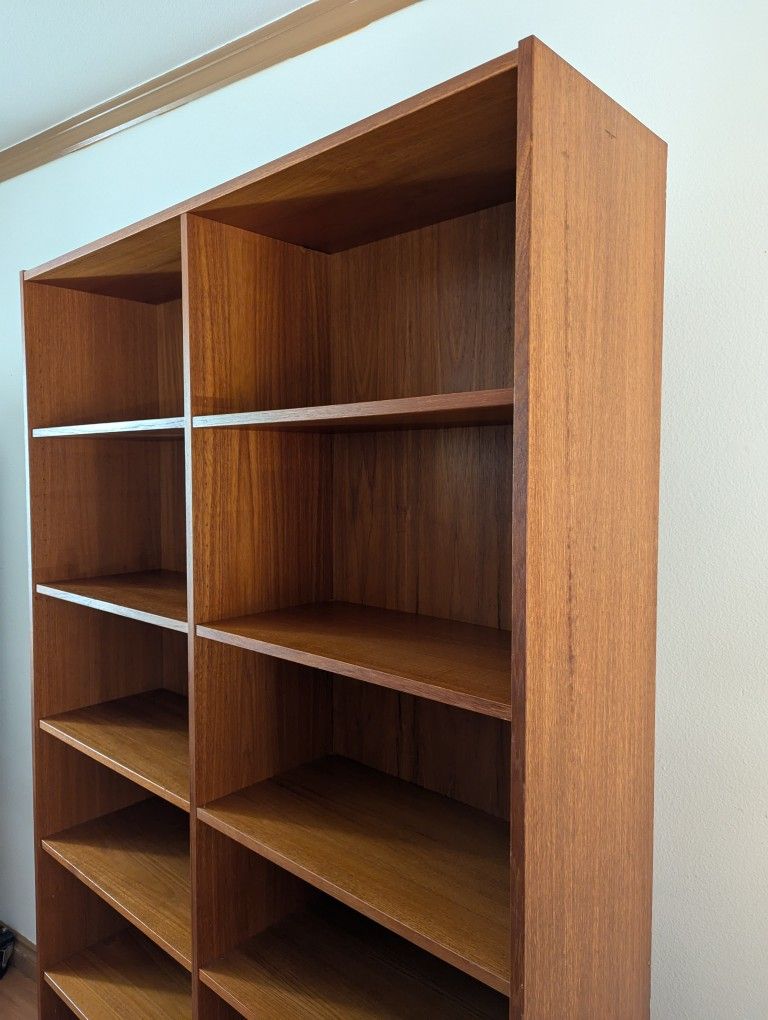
(343, 498)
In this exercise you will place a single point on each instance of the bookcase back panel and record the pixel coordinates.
(429, 311)
(104, 507)
(84, 789)
(411, 520)
(274, 325)
(460, 754)
(83, 657)
(76, 919)
(172, 515)
(421, 521)
(169, 355)
(273, 715)
(92, 358)
(174, 659)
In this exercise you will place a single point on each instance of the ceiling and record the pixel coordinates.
(60, 57)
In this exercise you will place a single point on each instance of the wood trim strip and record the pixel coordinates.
(310, 26)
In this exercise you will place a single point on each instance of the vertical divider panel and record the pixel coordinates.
(199, 1011)
(258, 538)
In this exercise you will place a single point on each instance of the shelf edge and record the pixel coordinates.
(130, 428)
(124, 770)
(427, 409)
(365, 674)
(112, 607)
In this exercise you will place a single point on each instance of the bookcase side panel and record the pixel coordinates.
(590, 223)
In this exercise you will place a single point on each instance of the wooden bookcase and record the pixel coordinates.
(343, 502)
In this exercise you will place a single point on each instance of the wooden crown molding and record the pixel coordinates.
(310, 26)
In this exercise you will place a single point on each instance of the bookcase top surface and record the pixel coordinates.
(445, 152)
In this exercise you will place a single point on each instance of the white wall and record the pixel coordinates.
(696, 73)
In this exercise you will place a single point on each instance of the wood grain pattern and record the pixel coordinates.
(170, 357)
(588, 340)
(446, 153)
(69, 789)
(476, 407)
(137, 860)
(71, 917)
(421, 524)
(144, 737)
(424, 742)
(269, 715)
(146, 263)
(100, 350)
(349, 584)
(83, 789)
(84, 656)
(238, 893)
(156, 596)
(244, 288)
(424, 866)
(458, 664)
(212, 1006)
(415, 314)
(261, 521)
(330, 963)
(422, 312)
(101, 508)
(124, 976)
(113, 359)
(171, 514)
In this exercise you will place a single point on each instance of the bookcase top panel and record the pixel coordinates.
(446, 152)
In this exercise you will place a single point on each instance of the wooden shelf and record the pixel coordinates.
(124, 976)
(144, 737)
(427, 867)
(456, 663)
(150, 428)
(137, 859)
(476, 407)
(155, 596)
(331, 955)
